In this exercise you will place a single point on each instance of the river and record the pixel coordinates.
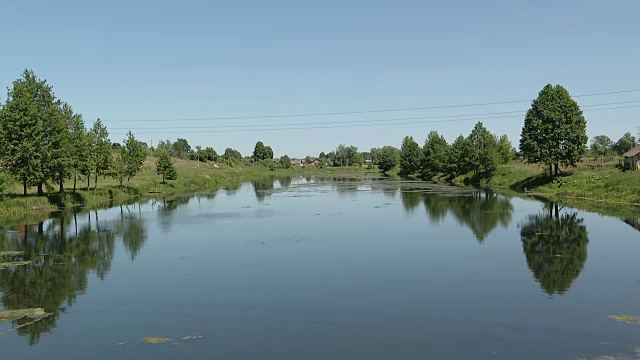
(324, 268)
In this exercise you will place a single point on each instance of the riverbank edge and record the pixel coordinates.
(605, 190)
(17, 206)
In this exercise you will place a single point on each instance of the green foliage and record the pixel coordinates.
(209, 154)
(388, 158)
(458, 156)
(434, 155)
(181, 148)
(554, 130)
(261, 152)
(29, 116)
(346, 156)
(285, 162)
(165, 167)
(601, 145)
(231, 156)
(129, 160)
(100, 145)
(409, 156)
(375, 154)
(506, 152)
(625, 143)
(484, 157)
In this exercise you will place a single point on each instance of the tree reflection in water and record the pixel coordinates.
(63, 252)
(555, 246)
(480, 211)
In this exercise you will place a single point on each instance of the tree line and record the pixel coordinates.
(480, 152)
(43, 142)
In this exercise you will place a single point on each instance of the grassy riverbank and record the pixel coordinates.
(192, 176)
(605, 182)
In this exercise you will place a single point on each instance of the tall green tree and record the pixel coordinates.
(60, 143)
(625, 143)
(554, 131)
(80, 146)
(261, 152)
(231, 156)
(409, 156)
(434, 155)
(181, 148)
(375, 154)
(458, 157)
(100, 158)
(484, 157)
(285, 162)
(132, 155)
(389, 158)
(209, 154)
(165, 167)
(601, 145)
(347, 156)
(505, 150)
(26, 124)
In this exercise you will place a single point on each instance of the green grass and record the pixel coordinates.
(605, 182)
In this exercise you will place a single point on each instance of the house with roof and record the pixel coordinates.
(315, 162)
(632, 159)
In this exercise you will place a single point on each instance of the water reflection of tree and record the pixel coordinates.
(345, 185)
(63, 252)
(263, 187)
(555, 246)
(411, 200)
(59, 271)
(233, 188)
(480, 211)
(285, 181)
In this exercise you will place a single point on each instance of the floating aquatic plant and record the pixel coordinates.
(630, 319)
(157, 340)
(36, 314)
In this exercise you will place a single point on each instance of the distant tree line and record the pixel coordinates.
(480, 152)
(602, 145)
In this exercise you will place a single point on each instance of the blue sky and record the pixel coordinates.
(132, 60)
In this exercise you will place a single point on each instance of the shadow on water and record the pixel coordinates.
(480, 211)
(63, 250)
(555, 247)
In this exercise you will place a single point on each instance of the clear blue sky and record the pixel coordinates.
(132, 60)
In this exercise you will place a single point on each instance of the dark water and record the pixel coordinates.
(342, 269)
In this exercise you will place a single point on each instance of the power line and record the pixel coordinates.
(358, 121)
(363, 111)
(357, 125)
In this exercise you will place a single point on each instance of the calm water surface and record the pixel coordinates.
(325, 269)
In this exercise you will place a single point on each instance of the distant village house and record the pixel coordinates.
(632, 159)
(315, 162)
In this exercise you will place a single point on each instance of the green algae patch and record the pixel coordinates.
(15, 263)
(35, 315)
(11, 253)
(629, 319)
(157, 340)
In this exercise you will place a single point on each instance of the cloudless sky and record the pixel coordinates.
(123, 61)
